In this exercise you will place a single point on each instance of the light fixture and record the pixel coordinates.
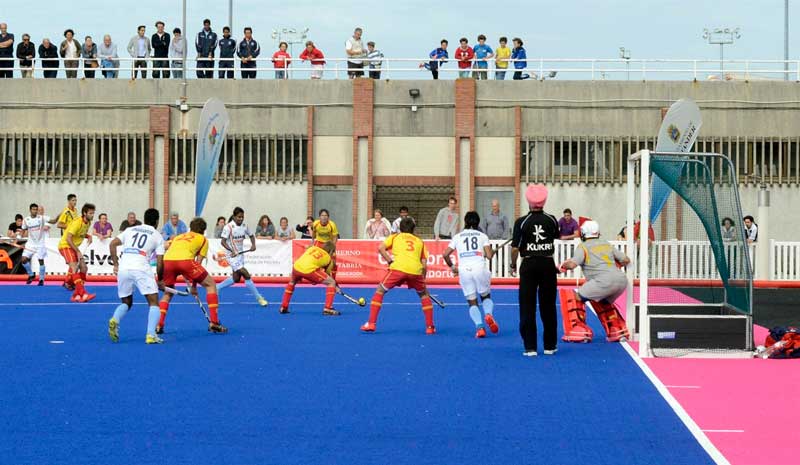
(414, 93)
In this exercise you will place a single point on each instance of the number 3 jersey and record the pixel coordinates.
(139, 243)
(469, 245)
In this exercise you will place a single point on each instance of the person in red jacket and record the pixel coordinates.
(464, 55)
(281, 59)
(313, 54)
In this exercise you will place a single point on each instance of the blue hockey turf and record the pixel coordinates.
(307, 389)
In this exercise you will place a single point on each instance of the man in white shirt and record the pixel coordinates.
(133, 269)
(38, 229)
(355, 54)
(750, 229)
(396, 223)
(473, 251)
(139, 48)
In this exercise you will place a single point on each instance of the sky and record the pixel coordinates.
(412, 28)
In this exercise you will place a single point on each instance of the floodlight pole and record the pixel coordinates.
(721, 36)
(786, 40)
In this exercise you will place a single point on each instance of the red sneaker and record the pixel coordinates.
(430, 330)
(492, 324)
(480, 333)
(87, 297)
(368, 327)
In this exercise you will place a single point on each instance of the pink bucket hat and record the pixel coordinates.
(536, 195)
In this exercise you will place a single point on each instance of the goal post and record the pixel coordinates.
(695, 280)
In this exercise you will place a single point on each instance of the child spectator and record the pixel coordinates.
(438, 57)
(374, 59)
(464, 55)
(502, 54)
(482, 53)
(284, 233)
(313, 54)
(519, 56)
(305, 229)
(281, 59)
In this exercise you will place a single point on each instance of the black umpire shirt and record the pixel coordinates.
(534, 234)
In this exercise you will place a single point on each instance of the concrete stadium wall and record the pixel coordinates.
(115, 199)
(403, 141)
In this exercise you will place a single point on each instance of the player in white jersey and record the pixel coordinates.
(38, 229)
(133, 269)
(473, 250)
(233, 235)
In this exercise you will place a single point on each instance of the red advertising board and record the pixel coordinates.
(358, 261)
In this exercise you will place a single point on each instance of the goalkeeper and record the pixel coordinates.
(604, 284)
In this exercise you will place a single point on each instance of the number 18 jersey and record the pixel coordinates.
(469, 245)
(139, 243)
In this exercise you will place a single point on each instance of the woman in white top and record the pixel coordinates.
(377, 227)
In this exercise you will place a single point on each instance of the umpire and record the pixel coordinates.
(533, 237)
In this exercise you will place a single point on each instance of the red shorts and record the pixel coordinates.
(69, 255)
(396, 278)
(189, 269)
(317, 277)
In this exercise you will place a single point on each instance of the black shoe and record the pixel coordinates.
(159, 329)
(41, 282)
(217, 328)
(30, 279)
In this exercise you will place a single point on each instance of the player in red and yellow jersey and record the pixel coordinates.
(183, 258)
(408, 267)
(69, 213)
(76, 231)
(324, 231)
(311, 267)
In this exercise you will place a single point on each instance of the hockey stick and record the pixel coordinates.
(172, 291)
(437, 301)
(202, 307)
(360, 301)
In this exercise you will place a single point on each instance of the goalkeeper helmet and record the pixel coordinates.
(590, 229)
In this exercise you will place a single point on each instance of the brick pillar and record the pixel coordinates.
(159, 126)
(465, 129)
(363, 105)
(517, 158)
(310, 160)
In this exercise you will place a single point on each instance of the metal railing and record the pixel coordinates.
(411, 68)
(245, 158)
(602, 159)
(785, 260)
(74, 157)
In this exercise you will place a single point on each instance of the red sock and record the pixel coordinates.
(427, 309)
(334, 270)
(330, 293)
(68, 279)
(83, 278)
(79, 289)
(375, 307)
(287, 295)
(213, 303)
(164, 306)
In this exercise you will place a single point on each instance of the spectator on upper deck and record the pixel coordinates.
(227, 49)
(313, 54)
(519, 56)
(464, 54)
(482, 53)
(438, 58)
(109, 60)
(26, 52)
(206, 45)
(160, 42)
(281, 60)
(48, 53)
(139, 49)
(248, 52)
(70, 51)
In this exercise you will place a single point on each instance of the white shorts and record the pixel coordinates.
(316, 71)
(40, 250)
(474, 280)
(236, 263)
(144, 281)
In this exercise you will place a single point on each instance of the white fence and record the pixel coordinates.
(411, 68)
(669, 259)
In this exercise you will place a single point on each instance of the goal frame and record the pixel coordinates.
(640, 330)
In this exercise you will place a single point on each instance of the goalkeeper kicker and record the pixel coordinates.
(600, 262)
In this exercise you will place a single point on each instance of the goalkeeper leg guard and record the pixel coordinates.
(573, 317)
(611, 318)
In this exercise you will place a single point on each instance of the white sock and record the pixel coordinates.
(475, 314)
(152, 320)
(120, 312)
(488, 306)
(252, 288)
